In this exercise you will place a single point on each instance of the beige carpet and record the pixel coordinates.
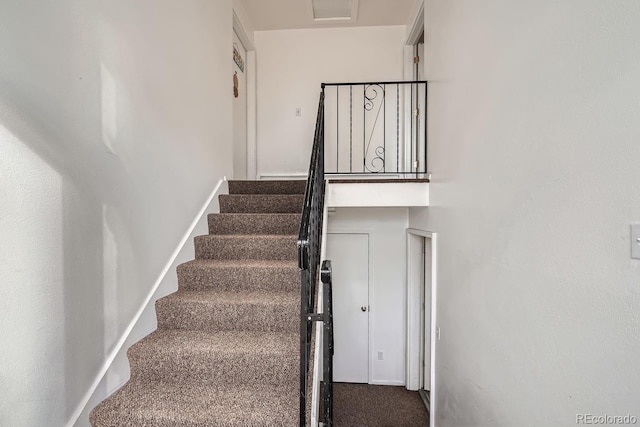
(226, 351)
(377, 406)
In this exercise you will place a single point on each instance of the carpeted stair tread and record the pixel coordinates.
(254, 223)
(233, 357)
(159, 404)
(226, 351)
(296, 186)
(261, 203)
(239, 275)
(276, 247)
(214, 310)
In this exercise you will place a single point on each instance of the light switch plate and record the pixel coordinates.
(635, 241)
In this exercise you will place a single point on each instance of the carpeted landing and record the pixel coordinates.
(377, 406)
(226, 349)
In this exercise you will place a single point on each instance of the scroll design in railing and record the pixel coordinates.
(376, 162)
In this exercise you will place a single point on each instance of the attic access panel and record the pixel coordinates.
(334, 10)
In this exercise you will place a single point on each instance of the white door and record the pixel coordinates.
(239, 110)
(349, 254)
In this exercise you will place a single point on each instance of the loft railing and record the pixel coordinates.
(309, 255)
(376, 128)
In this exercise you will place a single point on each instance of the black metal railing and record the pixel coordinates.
(309, 251)
(376, 128)
(381, 139)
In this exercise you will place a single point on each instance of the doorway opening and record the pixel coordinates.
(421, 315)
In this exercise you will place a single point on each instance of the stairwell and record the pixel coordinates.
(226, 351)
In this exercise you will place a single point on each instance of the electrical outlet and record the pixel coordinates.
(380, 355)
(298, 111)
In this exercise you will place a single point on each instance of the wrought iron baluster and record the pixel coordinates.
(411, 134)
(425, 145)
(377, 162)
(364, 130)
(397, 127)
(350, 128)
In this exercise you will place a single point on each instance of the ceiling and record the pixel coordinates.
(293, 14)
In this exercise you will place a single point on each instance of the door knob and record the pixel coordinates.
(363, 308)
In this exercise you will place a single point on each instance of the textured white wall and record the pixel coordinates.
(31, 295)
(387, 284)
(292, 64)
(534, 149)
(115, 125)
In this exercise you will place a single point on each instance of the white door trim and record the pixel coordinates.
(250, 69)
(417, 27)
(410, 332)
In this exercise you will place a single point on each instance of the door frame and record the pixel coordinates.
(370, 234)
(414, 303)
(250, 70)
(417, 29)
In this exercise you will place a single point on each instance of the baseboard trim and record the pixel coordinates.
(426, 399)
(393, 383)
(277, 176)
(150, 296)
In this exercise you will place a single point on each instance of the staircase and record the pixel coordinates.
(226, 351)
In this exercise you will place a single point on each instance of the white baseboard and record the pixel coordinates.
(277, 176)
(151, 297)
(394, 383)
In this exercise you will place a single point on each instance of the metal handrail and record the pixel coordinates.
(309, 249)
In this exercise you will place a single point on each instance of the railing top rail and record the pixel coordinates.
(303, 233)
(391, 82)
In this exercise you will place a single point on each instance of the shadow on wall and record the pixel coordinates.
(49, 261)
(63, 261)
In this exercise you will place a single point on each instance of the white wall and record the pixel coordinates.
(534, 150)
(387, 284)
(292, 64)
(115, 125)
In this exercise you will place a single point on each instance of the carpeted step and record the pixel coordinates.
(161, 404)
(227, 311)
(239, 275)
(234, 357)
(246, 247)
(252, 223)
(261, 203)
(267, 187)
(226, 349)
